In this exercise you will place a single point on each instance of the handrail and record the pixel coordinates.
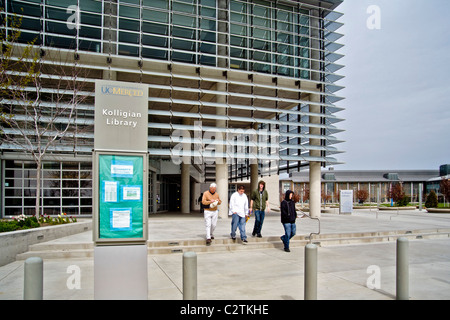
(316, 233)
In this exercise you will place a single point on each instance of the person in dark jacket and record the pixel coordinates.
(288, 217)
(259, 203)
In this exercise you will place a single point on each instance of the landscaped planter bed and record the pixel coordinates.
(15, 242)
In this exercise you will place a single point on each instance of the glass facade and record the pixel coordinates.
(269, 37)
(262, 36)
(66, 187)
(229, 67)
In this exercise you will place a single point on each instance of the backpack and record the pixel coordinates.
(202, 206)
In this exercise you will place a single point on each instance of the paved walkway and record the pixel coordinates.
(268, 273)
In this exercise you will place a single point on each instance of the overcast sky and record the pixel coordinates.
(397, 85)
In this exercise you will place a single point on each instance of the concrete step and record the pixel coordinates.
(227, 245)
(46, 246)
(56, 250)
(58, 254)
(297, 241)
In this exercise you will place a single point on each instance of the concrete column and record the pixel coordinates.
(420, 196)
(222, 38)
(314, 189)
(186, 176)
(412, 191)
(221, 163)
(314, 167)
(378, 196)
(195, 193)
(109, 75)
(154, 192)
(222, 188)
(110, 27)
(185, 188)
(254, 175)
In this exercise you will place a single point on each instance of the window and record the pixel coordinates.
(155, 16)
(161, 4)
(65, 187)
(273, 37)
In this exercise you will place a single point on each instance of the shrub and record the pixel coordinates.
(403, 202)
(19, 223)
(432, 200)
(25, 222)
(22, 222)
(8, 225)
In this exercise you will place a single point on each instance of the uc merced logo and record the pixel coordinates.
(122, 91)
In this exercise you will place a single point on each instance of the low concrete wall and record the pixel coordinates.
(396, 208)
(15, 242)
(322, 210)
(436, 210)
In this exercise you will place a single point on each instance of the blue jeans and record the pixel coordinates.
(289, 230)
(259, 219)
(237, 221)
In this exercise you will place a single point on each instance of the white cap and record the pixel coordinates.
(213, 185)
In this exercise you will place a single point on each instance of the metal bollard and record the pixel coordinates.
(402, 279)
(189, 276)
(310, 272)
(420, 197)
(33, 286)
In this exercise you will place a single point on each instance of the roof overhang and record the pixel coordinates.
(326, 4)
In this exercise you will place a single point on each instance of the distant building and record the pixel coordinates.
(370, 180)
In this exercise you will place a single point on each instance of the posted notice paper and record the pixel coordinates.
(132, 193)
(121, 218)
(122, 168)
(110, 191)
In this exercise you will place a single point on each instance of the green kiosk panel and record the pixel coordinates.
(121, 198)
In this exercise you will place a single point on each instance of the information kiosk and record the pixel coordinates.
(120, 189)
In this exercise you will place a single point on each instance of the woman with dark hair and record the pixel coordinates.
(288, 217)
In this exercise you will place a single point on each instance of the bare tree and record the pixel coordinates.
(362, 195)
(34, 119)
(445, 188)
(16, 70)
(396, 192)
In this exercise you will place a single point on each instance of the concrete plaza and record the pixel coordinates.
(247, 273)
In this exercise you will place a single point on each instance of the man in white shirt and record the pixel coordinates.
(239, 212)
